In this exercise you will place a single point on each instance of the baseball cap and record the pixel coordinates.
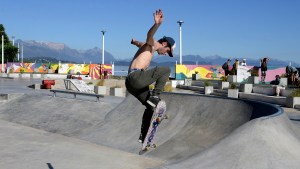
(171, 43)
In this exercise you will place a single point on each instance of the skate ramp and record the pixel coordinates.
(200, 125)
(262, 143)
(201, 132)
(195, 123)
(65, 116)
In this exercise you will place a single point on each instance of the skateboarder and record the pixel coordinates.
(139, 77)
(264, 68)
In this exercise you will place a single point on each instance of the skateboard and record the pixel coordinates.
(158, 115)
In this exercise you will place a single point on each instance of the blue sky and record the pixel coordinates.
(229, 28)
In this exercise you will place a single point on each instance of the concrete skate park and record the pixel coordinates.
(208, 132)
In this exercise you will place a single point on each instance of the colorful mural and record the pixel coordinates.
(41, 68)
(20, 67)
(272, 72)
(216, 72)
(65, 68)
(53, 68)
(205, 71)
(69, 68)
(95, 71)
(4, 65)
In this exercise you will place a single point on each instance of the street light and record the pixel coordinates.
(22, 50)
(180, 22)
(18, 51)
(103, 32)
(2, 65)
(13, 40)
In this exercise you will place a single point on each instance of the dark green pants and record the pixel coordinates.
(137, 84)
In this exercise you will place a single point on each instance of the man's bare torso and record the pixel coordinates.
(142, 57)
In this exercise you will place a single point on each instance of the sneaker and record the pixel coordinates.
(153, 101)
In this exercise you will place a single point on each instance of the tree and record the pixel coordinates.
(10, 51)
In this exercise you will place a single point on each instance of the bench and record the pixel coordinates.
(76, 93)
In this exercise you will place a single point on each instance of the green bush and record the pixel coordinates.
(295, 93)
(167, 87)
(207, 83)
(233, 86)
(224, 79)
(100, 82)
(254, 73)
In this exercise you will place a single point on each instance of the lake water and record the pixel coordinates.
(122, 70)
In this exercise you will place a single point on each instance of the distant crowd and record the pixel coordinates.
(292, 72)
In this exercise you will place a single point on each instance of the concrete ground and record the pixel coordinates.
(38, 131)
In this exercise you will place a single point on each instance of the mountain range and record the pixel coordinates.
(43, 51)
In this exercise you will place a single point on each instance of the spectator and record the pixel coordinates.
(235, 67)
(292, 74)
(101, 71)
(276, 81)
(244, 62)
(263, 69)
(277, 85)
(225, 67)
(105, 74)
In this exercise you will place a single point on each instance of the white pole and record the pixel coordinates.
(2, 65)
(18, 51)
(113, 68)
(22, 53)
(103, 32)
(180, 46)
(103, 49)
(180, 42)
(13, 40)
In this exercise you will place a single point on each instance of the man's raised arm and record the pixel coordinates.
(158, 19)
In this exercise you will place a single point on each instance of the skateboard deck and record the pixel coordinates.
(158, 115)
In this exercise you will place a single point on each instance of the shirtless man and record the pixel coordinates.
(139, 77)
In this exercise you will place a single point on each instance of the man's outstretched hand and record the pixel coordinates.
(158, 16)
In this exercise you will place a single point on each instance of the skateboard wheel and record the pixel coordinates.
(147, 148)
(166, 117)
(154, 145)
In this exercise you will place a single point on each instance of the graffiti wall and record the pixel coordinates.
(41, 68)
(4, 65)
(69, 68)
(20, 67)
(216, 72)
(95, 71)
(100, 71)
(272, 72)
(205, 71)
(53, 68)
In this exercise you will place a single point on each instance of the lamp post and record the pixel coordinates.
(13, 40)
(18, 51)
(103, 32)
(22, 50)
(180, 22)
(2, 64)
